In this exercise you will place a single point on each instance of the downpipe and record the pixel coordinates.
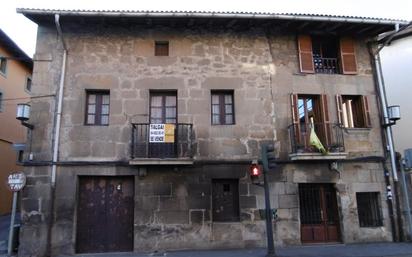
(56, 136)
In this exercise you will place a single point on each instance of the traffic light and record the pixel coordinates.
(255, 173)
(268, 157)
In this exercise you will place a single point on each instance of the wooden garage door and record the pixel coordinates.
(105, 214)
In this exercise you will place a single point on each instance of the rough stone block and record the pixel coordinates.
(199, 202)
(288, 201)
(172, 203)
(247, 202)
(173, 217)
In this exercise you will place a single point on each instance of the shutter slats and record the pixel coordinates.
(305, 54)
(339, 109)
(295, 117)
(347, 55)
(366, 113)
(325, 118)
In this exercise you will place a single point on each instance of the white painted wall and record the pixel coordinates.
(397, 69)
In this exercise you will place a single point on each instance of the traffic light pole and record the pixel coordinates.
(268, 209)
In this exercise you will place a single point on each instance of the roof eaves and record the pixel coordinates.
(203, 14)
(11, 46)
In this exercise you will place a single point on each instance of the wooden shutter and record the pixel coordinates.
(295, 117)
(366, 113)
(305, 54)
(325, 120)
(347, 56)
(339, 107)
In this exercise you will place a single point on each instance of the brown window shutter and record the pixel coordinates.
(295, 117)
(339, 109)
(347, 56)
(325, 117)
(305, 54)
(366, 113)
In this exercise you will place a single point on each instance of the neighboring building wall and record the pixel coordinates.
(396, 63)
(173, 204)
(12, 86)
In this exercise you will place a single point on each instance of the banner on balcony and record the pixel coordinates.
(162, 133)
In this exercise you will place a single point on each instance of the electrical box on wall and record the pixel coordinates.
(408, 158)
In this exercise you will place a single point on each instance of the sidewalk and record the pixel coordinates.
(339, 250)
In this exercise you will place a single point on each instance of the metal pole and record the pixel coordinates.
(11, 232)
(406, 197)
(268, 211)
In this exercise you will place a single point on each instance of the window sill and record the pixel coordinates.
(357, 130)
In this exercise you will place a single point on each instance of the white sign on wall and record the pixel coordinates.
(162, 133)
(16, 181)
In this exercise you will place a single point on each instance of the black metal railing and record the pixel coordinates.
(143, 148)
(330, 135)
(326, 65)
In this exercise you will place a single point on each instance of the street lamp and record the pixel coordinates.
(23, 115)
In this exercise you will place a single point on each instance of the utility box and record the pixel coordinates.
(408, 158)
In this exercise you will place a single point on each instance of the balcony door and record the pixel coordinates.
(163, 110)
(308, 111)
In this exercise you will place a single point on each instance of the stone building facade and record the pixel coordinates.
(227, 85)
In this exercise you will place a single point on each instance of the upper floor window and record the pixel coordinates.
(326, 55)
(353, 111)
(97, 107)
(223, 108)
(28, 84)
(161, 48)
(3, 65)
(163, 107)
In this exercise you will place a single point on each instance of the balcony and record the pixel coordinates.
(331, 136)
(326, 65)
(174, 147)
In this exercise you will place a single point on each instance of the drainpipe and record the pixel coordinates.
(59, 104)
(56, 135)
(388, 130)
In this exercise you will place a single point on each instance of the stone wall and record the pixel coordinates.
(172, 204)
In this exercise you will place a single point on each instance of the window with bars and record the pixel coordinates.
(369, 209)
(223, 108)
(97, 108)
(161, 48)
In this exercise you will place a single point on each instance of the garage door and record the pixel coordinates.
(105, 214)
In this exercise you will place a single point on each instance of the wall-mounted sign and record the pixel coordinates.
(16, 181)
(162, 133)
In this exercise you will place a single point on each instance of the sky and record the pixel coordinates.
(23, 31)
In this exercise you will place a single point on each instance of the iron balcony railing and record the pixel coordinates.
(326, 65)
(180, 147)
(330, 135)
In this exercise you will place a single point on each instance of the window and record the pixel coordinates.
(20, 155)
(28, 84)
(326, 55)
(353, 111)
(1, 101)
(310, 111)
(161, 48)
(3, 65)
(225, 200)
(223, 110)
(97, 111)
(163, 107)
(369, 210)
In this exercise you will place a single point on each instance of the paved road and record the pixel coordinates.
(352, 250)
